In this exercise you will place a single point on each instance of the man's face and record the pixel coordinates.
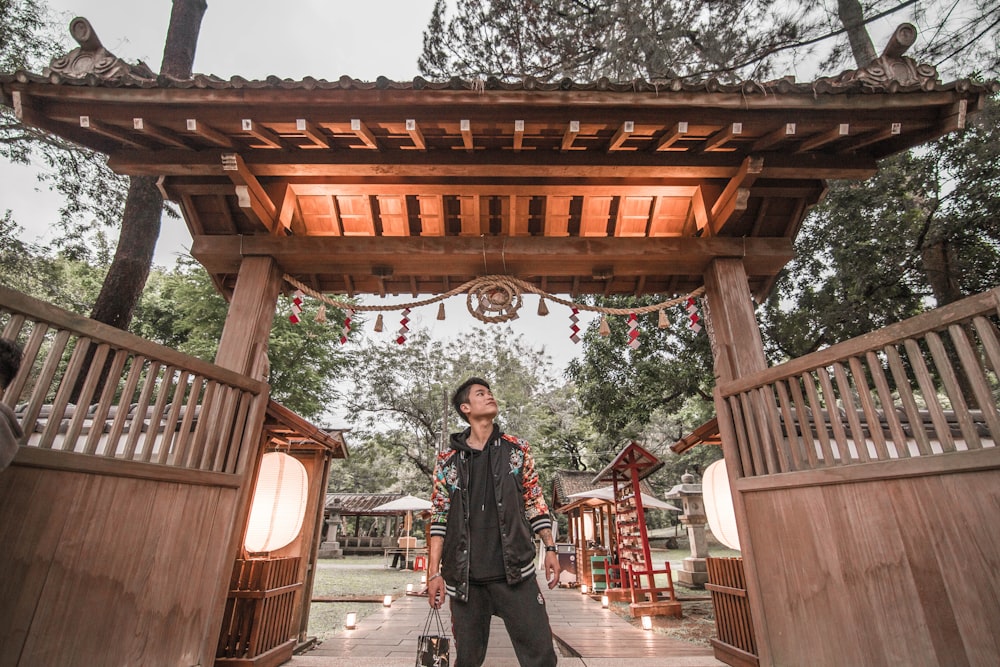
(480, 404)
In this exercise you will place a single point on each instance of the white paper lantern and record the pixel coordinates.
(719, 504)
(279, 503)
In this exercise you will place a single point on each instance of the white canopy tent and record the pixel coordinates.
(608, 493)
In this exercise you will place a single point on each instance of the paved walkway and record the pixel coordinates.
(586, 636)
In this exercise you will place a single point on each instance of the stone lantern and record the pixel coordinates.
(694, 571)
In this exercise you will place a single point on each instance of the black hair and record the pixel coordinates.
(10, 361)
(461, 394)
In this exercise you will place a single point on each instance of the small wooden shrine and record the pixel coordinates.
(635, 567)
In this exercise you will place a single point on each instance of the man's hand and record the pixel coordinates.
(435, 592)
(552, 568)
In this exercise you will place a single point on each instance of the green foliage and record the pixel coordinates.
(921, 232)
(401, 414)
(181, 309)
(653, 394)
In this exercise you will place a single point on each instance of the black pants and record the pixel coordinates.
(522, 609)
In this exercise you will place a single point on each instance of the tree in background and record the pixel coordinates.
(401, 411)
(618, 39)
(182, 309)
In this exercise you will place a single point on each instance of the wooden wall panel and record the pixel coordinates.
(109, 570)
(880, 572)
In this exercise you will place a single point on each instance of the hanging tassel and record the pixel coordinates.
(378, 322)
(663, 322)
(605, 328)
(574, 327)
(441, 310)
(543, 310)
(321, 314)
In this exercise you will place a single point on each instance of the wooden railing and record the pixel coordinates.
(922, 387)
(94, 390)
(735, 644)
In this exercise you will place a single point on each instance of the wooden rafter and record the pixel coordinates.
(251, 196)
(264, 135)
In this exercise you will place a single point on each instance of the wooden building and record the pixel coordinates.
(856, 554)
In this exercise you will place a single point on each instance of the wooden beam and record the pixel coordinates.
(824, 138)
(364, 134)
(435, 256)
(249, 191)
(886, 131)
(168, 137)
(416, 136)
(734, 198)
(569, 136)
(775, 137)
(312, 189)
(621, 136)
(665, 142)
(518, 135)
(718, 141)
(287, 211)
(312, 132)
(267, 137)
(113, 132)
(209, 133)
(465, 128)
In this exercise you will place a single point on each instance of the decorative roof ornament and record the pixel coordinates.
(91, 58)
(892, 69)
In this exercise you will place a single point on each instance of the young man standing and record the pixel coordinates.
(487, 504)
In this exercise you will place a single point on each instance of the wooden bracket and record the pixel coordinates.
(312, 132)
(671, 136)
(267, 137)
(249, 192)
(362, 132)
(208, 133)
(416, 136)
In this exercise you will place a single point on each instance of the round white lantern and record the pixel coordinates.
(279, 503)
(719, 504)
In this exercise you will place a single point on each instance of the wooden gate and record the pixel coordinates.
(735, 645)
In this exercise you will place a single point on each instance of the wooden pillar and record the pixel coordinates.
(243, 349)
(251, 312)
(737, 350)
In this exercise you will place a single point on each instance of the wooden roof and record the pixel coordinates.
(632, 459)
(288, 429)
(350, 504)
(417, 187)
(567, 482)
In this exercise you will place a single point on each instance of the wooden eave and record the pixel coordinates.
(706, 434)
(289, 430)
(632, 457)
(415, 188)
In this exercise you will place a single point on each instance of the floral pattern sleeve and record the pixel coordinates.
(535, 508)
(441, 496)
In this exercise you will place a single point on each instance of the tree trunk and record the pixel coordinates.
(126, 277)
(852, 17)
(141, 222)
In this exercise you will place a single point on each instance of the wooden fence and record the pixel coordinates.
(922, 387)
(735, 644)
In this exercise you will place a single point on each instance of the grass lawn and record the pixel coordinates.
(353, 577)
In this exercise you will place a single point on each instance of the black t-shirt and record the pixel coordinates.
(485, 554)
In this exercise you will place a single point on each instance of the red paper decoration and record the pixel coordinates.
(348, 314)
(633, 331)
(296, 307)
(693, 317)
(574, 327)
(403, 329)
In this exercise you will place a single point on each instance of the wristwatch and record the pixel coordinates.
(550, 547)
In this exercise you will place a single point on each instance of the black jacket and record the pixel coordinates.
(521, 508)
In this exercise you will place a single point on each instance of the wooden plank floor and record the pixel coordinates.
(589, 637)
